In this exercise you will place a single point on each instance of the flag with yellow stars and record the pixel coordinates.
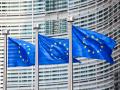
(90, 44)
(20, 53)
(53, 50)
(86, 44)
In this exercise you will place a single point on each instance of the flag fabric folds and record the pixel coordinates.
(91, 44)
(86, 43)
(53, 50)
(20, 53)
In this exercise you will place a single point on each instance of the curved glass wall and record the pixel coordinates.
(102, 16)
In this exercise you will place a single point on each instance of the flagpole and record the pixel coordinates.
(70, 65)
(36, 61)
(5, 33)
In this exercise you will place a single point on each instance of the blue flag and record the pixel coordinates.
(53, 50)
(20, 53)
(86, 43)
(91, 44)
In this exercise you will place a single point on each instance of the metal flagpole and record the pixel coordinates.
(36, 61)
(70, 65)
(5, 33)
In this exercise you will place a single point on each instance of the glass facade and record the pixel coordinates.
(55, 26)
(20, 17)
(55, 5)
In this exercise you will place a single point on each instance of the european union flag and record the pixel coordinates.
(86, 43)
(20, 53)
(91, 44)
(53, 50)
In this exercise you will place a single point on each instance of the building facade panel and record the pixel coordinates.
(20, 17)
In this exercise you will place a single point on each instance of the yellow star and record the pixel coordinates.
(55, 43)
(84, 38)
(66, 53)
(51, 45)
(19, 51)
(92, 36)
(67, 48)
(28, 46)
(102, 46)
(97, 39)
(20, 56)
(85, 46)
(98, 51)
(88, 50)
(29, 49)
(28, 53)
(59, 58)
(84, 42)
(59, 42)
(64, 44)
(22, 59)
(50, 49)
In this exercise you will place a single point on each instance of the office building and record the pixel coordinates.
(21, 16)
